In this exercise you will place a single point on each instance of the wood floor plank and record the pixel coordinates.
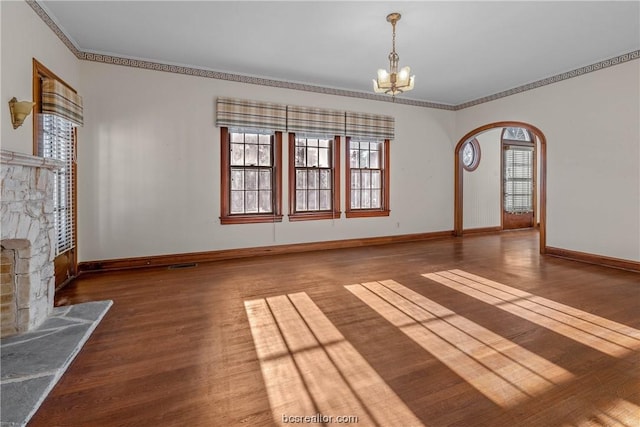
(176, 348)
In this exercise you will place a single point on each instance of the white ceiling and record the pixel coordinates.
(459, 51)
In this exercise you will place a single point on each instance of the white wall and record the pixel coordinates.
(592, 127)
(481, 187)
(149, 158)
(36, 40)
(149, 155)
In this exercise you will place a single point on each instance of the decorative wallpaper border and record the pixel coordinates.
(554, 79)
(200, 72)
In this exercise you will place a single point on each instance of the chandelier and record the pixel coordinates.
(393, 82)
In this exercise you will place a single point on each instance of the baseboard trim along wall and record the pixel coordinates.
(594, 259)
(226, 254)
(482, 230)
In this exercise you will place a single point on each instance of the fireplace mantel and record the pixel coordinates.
(21, 159)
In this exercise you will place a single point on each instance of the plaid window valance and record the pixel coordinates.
(361, 125)
(315, 120)
(231, 112)
(59, 100)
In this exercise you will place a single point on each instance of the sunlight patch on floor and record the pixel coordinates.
(501, 370)
(310, 368)
(618, 412)
(607, 336)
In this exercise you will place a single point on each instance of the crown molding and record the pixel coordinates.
(201, 72)
(620, 59)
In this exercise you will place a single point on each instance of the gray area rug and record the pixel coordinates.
(32, 363)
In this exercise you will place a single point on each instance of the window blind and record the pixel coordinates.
(518, 179)
(56, 141)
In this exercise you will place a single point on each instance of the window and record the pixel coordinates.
(57, 112)
(516, 134)
(251, 176)
(518, 164)
(367, 178)
(57, 141)
(314, 177)
(518, 179)
(470, 155)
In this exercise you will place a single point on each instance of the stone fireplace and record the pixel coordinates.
(27, 282)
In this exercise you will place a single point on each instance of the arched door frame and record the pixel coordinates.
(542, 181)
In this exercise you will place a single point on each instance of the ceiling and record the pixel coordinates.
(459, 51)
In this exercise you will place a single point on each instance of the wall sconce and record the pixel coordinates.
(19, 111)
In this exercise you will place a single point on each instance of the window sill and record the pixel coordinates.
(250, 219)
(366, 213)
(310, 216)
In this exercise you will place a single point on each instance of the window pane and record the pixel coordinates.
(312, 156)
(237, 137)
(324, 160)
(251, 179)
(375, 199)
(237, 154)
(313, 179)
(264, 155)
(301, 179)
(264, 139)
(251, 202)
(312, 200)
(376, 181)
(251, 138)
(301, 156)
(355, 199)
(325, 179)
(374, 160)
(251, 154)
(468, 153)
(518, 134)
(366, 179)
(237, 202)
(354, 158)
(301, 200)
(366, 199)
(364, 158)
(237, 179)
(325, 200)
(326, 143)
(355, 179)
(265, 202)
(265, 179)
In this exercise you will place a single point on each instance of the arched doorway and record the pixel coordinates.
(542, 181)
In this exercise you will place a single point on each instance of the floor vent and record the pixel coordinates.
(179, 266)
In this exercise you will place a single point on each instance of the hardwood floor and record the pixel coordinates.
(219, 344)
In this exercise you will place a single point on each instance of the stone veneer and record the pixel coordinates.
(28, 230)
